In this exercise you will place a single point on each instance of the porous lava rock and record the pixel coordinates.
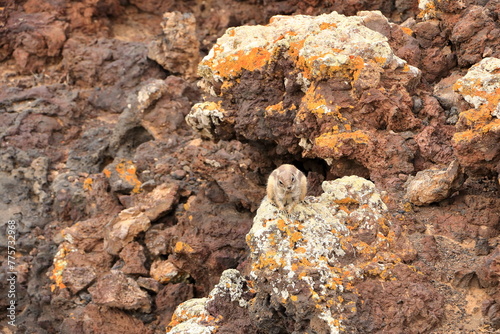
(117, 290)
(35, 40)
(478, 128)
(321, 270)
(84, 111)
(323, 87)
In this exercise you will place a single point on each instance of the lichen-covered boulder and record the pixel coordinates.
(323, 270)
(326, 87)
(316, 266)
(478, 129)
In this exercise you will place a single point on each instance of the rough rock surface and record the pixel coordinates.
(335, 85)
(91, 129)
(177, 50)
(117, 290)
(433, 185)
(478, 129)
(319, 270)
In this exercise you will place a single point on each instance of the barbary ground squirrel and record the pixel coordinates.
(286, 187)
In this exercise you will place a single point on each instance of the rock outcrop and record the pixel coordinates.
(122, 212)
(319, 270)
(323, 87)
(478, 129)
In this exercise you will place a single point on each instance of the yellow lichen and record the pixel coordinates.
(327, 25)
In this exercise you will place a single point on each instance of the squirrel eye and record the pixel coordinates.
(281, 182)
(293, 178)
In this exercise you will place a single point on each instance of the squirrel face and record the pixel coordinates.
(286, 181)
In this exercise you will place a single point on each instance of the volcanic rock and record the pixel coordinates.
(327, 80)
(434, 185)
(133, 257)
(321, 267)
(177, 49)
(78, 278)
(478, 129)
(120, 291)
(93, 318)
(124, 228)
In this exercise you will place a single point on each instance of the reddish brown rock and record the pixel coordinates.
(93, 318)
(212, 238)
(409, 298)
(430, 143)
(133, 256)
(78, 278)
(335, 106)
(476, 35)
(36, 39)
(170, 297)
(157, 203)
(150, 284)
(478, 129)
(112, 65)
(434, 185)
(102, 99)
(120, 291)
(488, 271)
(165, 272)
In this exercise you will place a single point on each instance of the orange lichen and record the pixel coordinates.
(281, 225)
(107, 173)
(327, 25)
(335, 141)
(182, 247)
(407, 31)
(233, 65)
(300, 250)
(275, 109)
(294, 49)
(296, 236)
(60, 264)
(347, 200)
(464, 136)
(126, 170)
(429, 10)
(87, 184)
(479, 121)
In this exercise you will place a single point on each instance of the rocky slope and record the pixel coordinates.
(134, 177)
